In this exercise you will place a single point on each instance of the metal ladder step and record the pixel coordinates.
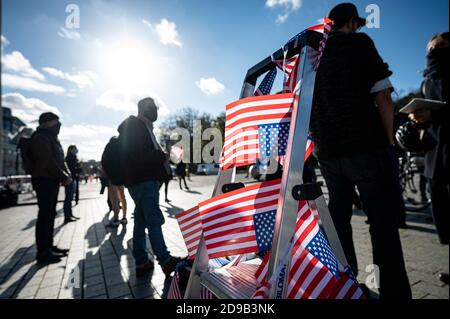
(237, 282)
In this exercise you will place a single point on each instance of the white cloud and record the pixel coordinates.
(166, 31)
(288, 6)
(15, 61)
(67, 34)
(126, 101)
(210, 86)
(89, 139)
(29, 84)
(82, 79)
(27, 109)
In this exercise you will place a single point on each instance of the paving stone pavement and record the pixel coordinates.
(100, 264)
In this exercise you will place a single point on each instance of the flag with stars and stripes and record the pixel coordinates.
(174, 290)
(244, 121)
(290, 68)
(191, 229)
(314, 269)
(267, 83)
(257, 128)
(241, 221)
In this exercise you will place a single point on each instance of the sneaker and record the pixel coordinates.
(143, 270)
(113, 223)
(124, 221)
(170, 266)
(75, 217)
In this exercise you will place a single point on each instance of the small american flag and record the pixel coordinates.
(191, 228)
(313, 271)
(241, 221)
(244, 120)
(205, 293)
(174, 290)
(267, 83)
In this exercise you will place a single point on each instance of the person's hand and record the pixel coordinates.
(67, 181)
(421, 116)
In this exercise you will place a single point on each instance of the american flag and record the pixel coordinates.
(313, 271)
(174, 290)
(191, 228)
(205, 293)
(267, 83)
(241, 221)
(290, 69)
(326, 31)
(244, 120)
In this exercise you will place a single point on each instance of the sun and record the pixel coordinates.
(128, 64)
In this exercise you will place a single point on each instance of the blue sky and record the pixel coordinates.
(186, 52)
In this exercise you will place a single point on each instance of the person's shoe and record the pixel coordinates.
(170, 266)
(168, 200)
(443, 276)
(59, 251)
(187, 188)
(113, 223)
(124, 221)
(69, 220)
(47, 257)
(143, 270)
(75, 217)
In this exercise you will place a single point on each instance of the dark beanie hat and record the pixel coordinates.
(47, 117)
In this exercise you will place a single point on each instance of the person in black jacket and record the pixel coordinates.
(48, 172)
(352, 126)
(74, 167)
(181, 173)
(435, 87)
(145, 166)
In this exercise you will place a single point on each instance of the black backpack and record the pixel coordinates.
(112, 162)
(24, 147)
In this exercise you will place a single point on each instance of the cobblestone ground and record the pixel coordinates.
(100, 264)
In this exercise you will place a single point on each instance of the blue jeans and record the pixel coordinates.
(70, 191)
(148, 215)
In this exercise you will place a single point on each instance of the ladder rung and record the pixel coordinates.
(237, 282)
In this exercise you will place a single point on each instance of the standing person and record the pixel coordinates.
(435, 87)
(181, 173)
(117, 201)
(74, 168)
(352, 125)
(48, 171)
(145, 166)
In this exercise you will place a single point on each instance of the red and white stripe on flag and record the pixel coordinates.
(308, 278)
(241, 146)
(174, 290)
(228, 223)
(191, 228)
(346, 288)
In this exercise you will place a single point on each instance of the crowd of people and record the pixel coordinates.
(352, 125)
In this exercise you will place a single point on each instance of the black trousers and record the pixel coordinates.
(375, 175)
(440, 202)
(47, 197)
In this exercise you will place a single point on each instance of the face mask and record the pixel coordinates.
(151, 114)
(55, 129)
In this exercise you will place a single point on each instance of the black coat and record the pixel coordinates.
(143, 161)
(435, 87)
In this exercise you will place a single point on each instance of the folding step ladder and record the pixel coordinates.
(239, 282)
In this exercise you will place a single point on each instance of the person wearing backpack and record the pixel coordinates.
(145, 165)
(48, 171)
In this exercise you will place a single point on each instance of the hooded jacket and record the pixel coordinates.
(47, 156)
(142, 159)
